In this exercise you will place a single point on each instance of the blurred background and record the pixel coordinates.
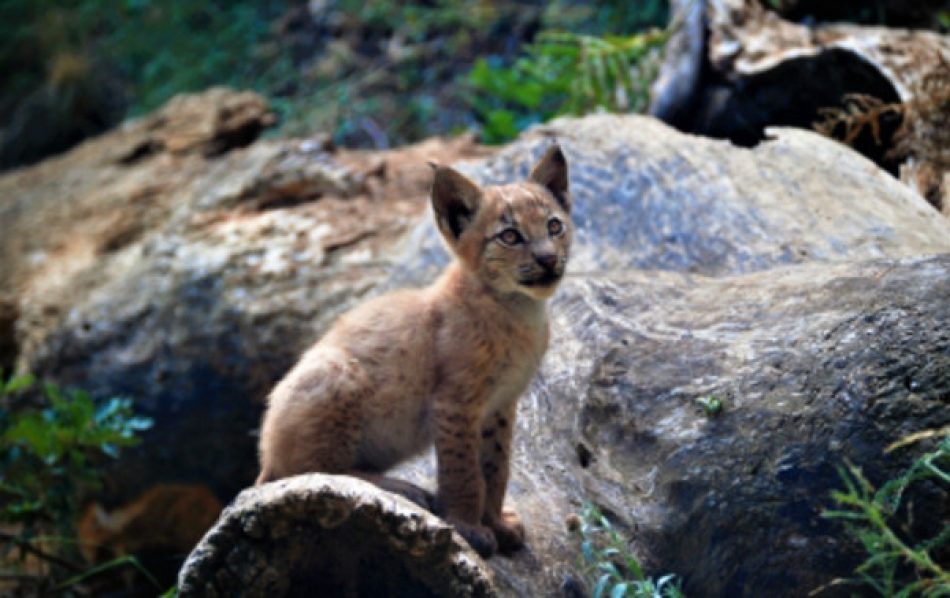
(371, 73)
(368, 73)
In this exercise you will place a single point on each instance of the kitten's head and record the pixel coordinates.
(517, 238)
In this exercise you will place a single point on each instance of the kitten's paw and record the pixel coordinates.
(479, 537)
(509, 531)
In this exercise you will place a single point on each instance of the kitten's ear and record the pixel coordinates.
(455, 200)
(551, 173)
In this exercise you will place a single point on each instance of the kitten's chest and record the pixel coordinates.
(519, 356)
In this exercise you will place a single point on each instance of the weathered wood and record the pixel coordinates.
(760, 70)
(320, 535)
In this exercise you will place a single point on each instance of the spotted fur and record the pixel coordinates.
(444, 364)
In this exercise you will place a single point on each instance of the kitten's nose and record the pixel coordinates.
(548, 260)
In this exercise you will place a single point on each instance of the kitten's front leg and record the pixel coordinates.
(496, 434)
(461, 494)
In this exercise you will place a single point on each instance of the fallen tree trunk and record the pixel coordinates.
(759, 70)
(322, 535)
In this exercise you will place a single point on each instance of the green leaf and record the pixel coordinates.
(34, 433)
(633, 565)
(711, 405)
(527, 94)
(123, 561)
(501, 125)
(481, 74)
(18, 383)
(52, 392)
(869, 517)
(619, 590)
(601, 586)
(46, 453)
(588, 551)
(609, 568)
(140, 423)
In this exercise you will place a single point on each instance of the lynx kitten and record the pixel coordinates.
(443, 364)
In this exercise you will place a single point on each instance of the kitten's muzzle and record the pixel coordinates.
(548, 275)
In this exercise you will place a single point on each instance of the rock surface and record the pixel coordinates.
(814, 364)
(757, 276)
(192, 282)
(795, 280)
(647, 197)
(319, 535)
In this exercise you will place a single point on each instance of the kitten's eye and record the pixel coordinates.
(510, 236)
(555, 227)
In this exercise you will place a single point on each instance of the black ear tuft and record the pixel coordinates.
(455, 200)
(551, 173)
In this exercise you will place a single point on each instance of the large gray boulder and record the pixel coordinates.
(649, 198)
(148, 263)
(814, 364)
(773, 279)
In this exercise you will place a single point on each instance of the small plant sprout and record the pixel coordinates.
(711, 404)
(896, 564)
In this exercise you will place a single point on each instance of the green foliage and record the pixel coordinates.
(414, 88)
(896, 565)
(417, 22)
(51, 443)
(564, 73)
(117, 563)
(156, 48)
(387, 73)
(188, 45)
(47, 452)
(606, 17)
(610, 567)
(372, 71)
